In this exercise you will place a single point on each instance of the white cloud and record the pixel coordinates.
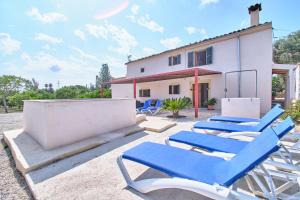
(135, 9)
(245, 24)
(97, 31)
(126, 42)
(171, 43)
(8, 45)
(144, 20)
(207, 2)
(46, 18)
(79, 34)
(192, 30)
(84, 55)
(148, 51)
(47, 38)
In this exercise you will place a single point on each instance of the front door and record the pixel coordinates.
(203, 94)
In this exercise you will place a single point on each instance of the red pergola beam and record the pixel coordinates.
(196, 92)
(134, 88)
(166, 76)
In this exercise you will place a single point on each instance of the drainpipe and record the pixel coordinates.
(239, 64)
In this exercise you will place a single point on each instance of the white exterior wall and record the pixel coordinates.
(55, 123)
(255, 53)
(122, 91)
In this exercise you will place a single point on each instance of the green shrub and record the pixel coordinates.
(176, 104)
(294, 111)
(211, 102)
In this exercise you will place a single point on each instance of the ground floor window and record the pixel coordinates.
(144, 93)
(174, 89)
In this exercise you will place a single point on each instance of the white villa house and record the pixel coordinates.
(236, 64)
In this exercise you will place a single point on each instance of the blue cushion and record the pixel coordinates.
(175, 162)
(253, 154)
(239, 119)
(226, 127)
(209, 142)
(191, 165)
(233, 119)
(284, 127)
(270, 117)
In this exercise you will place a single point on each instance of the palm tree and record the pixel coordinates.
(177, 104)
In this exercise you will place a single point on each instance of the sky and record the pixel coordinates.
(67, 41)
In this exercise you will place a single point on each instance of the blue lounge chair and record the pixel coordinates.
(206, 175)
(265, 121)
(222, 144)
(153, 109)
(237, 119)
(147, 104)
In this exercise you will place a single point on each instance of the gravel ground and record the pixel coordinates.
(12, 183)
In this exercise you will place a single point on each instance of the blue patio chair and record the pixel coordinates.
(153, 109)
(222, 144)
(238, 119)
(147, 104)
(265, 121)
(206, 175)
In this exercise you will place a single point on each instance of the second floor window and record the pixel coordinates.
(199, 58)
(142, 70)
(174, 89)
(175, 60)
(144, 93)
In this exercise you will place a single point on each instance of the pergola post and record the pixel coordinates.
(196, 93)
(134, 88)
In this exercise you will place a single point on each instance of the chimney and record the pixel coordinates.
(254, 14)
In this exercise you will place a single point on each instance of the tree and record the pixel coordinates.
(104, 78)
(10, 85)
(287, 51)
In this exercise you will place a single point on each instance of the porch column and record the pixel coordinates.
(134, 88)
(196, 93)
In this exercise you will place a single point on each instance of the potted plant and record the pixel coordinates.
(176, 104)
(273, 94)
(211, 103)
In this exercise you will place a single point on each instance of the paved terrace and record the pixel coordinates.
(93, 174)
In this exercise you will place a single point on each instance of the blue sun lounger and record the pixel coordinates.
(146, 105)
(206, 175)
(238, 119)
(265, 121)
(221, 144)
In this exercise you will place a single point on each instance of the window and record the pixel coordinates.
(174, 89)
(190, 59)
(175, 60)
(209, 55)
(202, 57)
(142, 70)
(170, 61)
(144, 93)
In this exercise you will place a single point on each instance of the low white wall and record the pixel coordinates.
(241, 107)
(122, 91)
(55, 123)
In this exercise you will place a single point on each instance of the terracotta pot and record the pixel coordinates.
(210, 107)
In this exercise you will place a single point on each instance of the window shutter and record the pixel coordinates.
(179, 59)
(170, 61)
(190, 59)
(209, 55)
(140, 93)
(170, 89)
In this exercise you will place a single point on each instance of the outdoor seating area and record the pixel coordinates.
(218, 157)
